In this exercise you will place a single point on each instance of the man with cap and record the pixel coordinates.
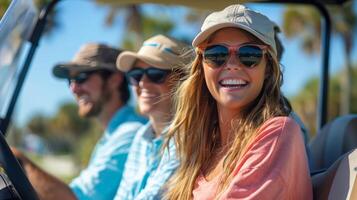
(154, 71)
(101, 91)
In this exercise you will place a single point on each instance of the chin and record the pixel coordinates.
(83, 113)
(86, 112)
(145, 110)
(233, 104)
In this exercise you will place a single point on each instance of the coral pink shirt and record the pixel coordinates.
(274, 167)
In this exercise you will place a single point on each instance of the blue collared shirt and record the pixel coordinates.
(102, 177)
(146, 170)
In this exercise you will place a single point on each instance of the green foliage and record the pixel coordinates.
(38, 124)
(153, 26)
(85, 145)
(305, 102)
(139, 26)
(65, 132)
(3, 6)
(52, 23)
(303, 22)
(150, 26)
(14, 136)
(67, 121)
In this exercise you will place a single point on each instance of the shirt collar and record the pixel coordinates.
(149, 135)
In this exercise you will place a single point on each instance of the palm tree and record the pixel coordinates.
(133, 20)
(304, 22)
(138, 25)
(344, 24)
(305, 102)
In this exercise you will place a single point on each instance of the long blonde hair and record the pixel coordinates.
(193, 127)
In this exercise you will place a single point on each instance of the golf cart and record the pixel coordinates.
(29, 25)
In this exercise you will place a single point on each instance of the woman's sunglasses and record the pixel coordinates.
(155, 75)
(248, 55)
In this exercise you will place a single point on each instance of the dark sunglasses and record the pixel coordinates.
(155, 75)
(248, 55)
(79, 78)
(84, 76)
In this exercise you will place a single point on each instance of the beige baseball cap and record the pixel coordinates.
(241, 17)
(159, 51)
(90, 57)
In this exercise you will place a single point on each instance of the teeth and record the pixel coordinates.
(233, 82)
(83, 99)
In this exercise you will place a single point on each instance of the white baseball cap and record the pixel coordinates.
(240, 17)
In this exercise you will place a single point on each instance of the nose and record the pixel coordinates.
(144, 81)
(75, 87)
(233, 63)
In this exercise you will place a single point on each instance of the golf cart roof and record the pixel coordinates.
(204, 4)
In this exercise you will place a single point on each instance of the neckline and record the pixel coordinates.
(202, 178)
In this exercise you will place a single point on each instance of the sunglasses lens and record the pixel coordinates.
(157, 75)
(134, 76)
(80, 78)
(216, 55)
(250, 55)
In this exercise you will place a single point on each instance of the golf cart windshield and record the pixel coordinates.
(15, 28)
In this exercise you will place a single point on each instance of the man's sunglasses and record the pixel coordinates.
(248, 55)
(155, 75)
(84, 76)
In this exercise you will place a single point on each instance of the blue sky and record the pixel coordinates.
(83, 21)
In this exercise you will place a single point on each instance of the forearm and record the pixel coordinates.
(46, 185)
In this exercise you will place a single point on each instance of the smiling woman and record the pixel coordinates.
(233, 91)
(155, 71)
(232, 129)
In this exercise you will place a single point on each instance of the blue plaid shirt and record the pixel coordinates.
(100, 180)
(146, 170)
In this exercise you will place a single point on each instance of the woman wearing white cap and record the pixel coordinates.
(233, 134)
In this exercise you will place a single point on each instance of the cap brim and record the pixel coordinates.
(202, 36)
(63, 70)
(127, 59)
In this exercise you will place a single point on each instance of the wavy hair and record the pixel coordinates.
(196, 121)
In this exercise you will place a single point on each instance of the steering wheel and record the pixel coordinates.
(15, 172)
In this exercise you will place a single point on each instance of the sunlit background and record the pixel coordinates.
(45, 120)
